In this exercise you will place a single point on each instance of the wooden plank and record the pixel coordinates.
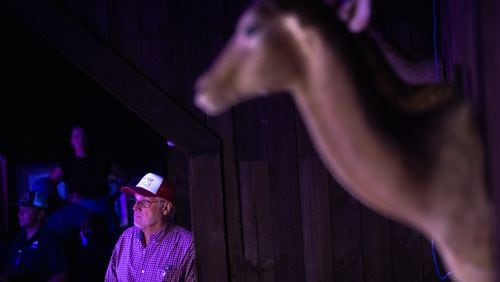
(459, 40)
(419, 15)
(114, 74)
(407, 254)
(278, 116)
(186, 40)
(124, 30)
(429, 271)
(249, 136)
(174, 46)
(316, 219)
(178, 176)
(223, 126)
(472, 41)
(156, 36)
(71, 6)
(257, 224)
(490, 61)
(94, 15)
(377, 251)
(304, 145)
(281, 151)
(208, 217)
(347, 248)
(390, 16)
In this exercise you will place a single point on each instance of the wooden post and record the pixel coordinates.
(489, 50)
(205, 182)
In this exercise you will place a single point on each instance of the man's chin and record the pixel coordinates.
(138, 224)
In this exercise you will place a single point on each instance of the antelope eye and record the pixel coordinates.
(251, 29)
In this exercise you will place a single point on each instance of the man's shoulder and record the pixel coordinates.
(45, 237)
(180, 229)
(181, 232)
(130, 231)
(49, 234)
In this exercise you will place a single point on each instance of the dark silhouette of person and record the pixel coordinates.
(36, 253)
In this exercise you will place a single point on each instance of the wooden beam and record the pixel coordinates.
(116, 75)
(489, 50)
(208, 217)
(316, 219)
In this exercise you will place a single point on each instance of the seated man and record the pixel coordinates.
(154, 249)
(36, 253)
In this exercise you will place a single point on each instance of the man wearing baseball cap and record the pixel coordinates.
(36, 253)
(154, 249)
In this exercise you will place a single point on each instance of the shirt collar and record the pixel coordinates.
(158, 235)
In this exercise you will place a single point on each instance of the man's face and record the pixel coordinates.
(28, 216)
(149, 212)
(78, 137)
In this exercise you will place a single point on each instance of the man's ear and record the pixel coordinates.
(355, 14)
(167, 208)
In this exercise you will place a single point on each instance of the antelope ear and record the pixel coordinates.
(356, 14)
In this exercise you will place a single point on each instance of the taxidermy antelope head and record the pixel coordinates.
(412, 153)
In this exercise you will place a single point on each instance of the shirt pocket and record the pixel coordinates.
(168, 273)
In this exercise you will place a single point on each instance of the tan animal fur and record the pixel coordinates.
(412, 153)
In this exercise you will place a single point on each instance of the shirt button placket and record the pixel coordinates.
(143, 257)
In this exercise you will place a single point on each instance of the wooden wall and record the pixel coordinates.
(284, 217)
(471, 41)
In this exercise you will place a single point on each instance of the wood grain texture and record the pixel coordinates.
(158, 47)
(125, 30)
(347, 248)
(377, 250)
(280, 136)
(257, 224)
(406, 253)
(224, 127)
(489, 47)
(316, 218)
(208, 217)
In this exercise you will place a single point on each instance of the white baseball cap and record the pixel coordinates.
(152, 185)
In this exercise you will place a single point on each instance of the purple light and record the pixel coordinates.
(170, 143)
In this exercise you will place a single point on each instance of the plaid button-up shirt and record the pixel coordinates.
(169, 256)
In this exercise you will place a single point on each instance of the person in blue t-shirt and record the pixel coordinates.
(37, 252)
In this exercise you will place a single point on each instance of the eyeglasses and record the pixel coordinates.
(143, 203)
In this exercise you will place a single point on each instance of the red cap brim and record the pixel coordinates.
(138, 190)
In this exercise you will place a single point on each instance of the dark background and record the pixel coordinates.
(278, 214)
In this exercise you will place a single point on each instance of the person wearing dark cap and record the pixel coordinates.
(48, 188)
(154, 249)
(36, 253)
